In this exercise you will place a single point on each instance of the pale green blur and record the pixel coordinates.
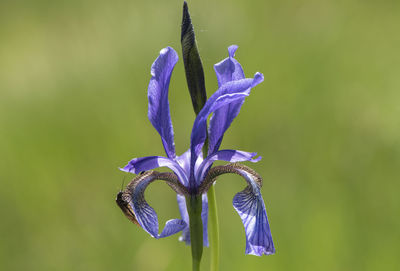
(73, 108)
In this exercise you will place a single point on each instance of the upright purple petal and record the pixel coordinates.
(226, 94)
(146, 217)
(138, 165)
(185, 237)
(184, 161)
(227, 70)
(224, 155)
(204, 218)
(159, 114)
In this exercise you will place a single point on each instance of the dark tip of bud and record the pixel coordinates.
(186, 22)
(191, 59)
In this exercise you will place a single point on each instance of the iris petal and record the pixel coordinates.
(184, 161)
(226, 94)
(159, 114)
(250, 206)
(138, 165)
(172, 226)
(145, 215)
(185, 237)
(227, 70)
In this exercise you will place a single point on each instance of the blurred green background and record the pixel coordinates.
(73, 108)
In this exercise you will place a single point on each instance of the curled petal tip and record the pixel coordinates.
(165, 50)
(123, 169)
(257, 159)
(165, 53)
(130, 167)
(258, 78)
(232, 49)
(171, 227)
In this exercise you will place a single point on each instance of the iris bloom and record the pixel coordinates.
(192, 173)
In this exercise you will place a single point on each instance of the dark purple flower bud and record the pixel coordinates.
(191, 59)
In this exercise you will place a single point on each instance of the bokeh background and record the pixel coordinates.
(73, 108)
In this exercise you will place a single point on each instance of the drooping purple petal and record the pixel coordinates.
(224, 155)
(250, 206)
(138, 165)
(145, 215)
(172, 226)
(227, 70)
(185, 237)
(226, 94)
(159, 114)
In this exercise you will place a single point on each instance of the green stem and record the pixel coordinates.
(194, 206)
(213, 229)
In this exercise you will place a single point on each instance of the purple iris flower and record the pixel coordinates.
(193, 174)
